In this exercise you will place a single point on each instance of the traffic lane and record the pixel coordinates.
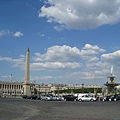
(85, 111)
(16, 109)
(20, 109)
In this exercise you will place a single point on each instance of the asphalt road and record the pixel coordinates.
(24, 109)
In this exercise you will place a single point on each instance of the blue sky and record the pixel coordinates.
(70, 41)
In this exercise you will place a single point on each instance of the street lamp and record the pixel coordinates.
(58, 89)
(82, 87)
(39, 90)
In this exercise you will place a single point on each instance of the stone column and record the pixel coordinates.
(27, 70)
(26, 84)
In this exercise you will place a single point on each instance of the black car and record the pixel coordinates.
(70, 98)
(116, 97)
(34, 97)
(29, 97)
(103, 98)
(24, 96)
(109, 98)
(106, 98)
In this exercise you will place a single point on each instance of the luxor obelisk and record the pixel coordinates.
(26, 84)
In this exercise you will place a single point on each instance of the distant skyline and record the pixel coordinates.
(70, 41)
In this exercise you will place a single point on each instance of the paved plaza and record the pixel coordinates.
(25, 109)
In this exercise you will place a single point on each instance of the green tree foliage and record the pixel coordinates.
(82, 90)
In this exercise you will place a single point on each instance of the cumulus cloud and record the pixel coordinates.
(91, 50)
(54, 65)
(4, 32)
(8, 32)
(112, 58)
(58, 53)
(20, 62)
(95, 47)
(66, 57)
(17, 34)
(41, 77)
(81, 14)
(59, 28)
(67, 53)
(8, 59)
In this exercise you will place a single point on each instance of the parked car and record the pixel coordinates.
(39, 98)
(70, 98)
(107, 98)
(29, 97)
(103, 98)
(80, 95)
(60, 98)
(116, 97)
(24, 96)
(53, 97)
(87, 98)
(46, 97)
(34, 97)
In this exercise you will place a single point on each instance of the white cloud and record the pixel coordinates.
(68, 58)
(58, 53)
(95, 47)
(93, 59)
(41, 35)
(41, 77)
(67, 53)
(54, 65)
(17, 34)
(8, 32)
(5, 76)
(59, 28)
(8, 59)
(20, 62)
(81, 14)
(112, 58)
(4, 32)
(90, 50)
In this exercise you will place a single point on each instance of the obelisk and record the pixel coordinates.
(26, 85)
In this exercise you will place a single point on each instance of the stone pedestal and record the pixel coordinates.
(26, 89)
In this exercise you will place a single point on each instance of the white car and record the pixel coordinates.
(60, 98)
(87, 98)
(80, 95)
(46, 97)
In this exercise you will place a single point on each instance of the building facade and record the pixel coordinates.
(11, 88)
(16, 89)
